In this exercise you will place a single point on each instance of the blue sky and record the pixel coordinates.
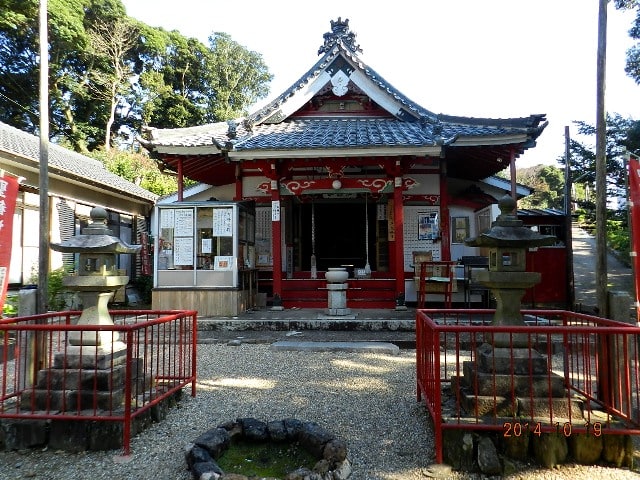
(490, 58)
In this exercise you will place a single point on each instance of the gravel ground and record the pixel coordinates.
(366, 399)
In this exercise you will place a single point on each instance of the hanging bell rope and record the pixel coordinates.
(367, 267)
(314, 269)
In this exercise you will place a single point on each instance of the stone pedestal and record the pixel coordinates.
(508, 288)
(85, 378)
(95, 311)
(337, 299)
(513, 383)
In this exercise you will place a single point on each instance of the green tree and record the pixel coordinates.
(78, 117)
(547, 183)
(622, 134)
(18, 63)
(185, 83)
(633, 54)
(138, 168)
(110, 44)
(110, 74)
(238, 78)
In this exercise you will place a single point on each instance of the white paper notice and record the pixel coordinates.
(275, 210)
(183, 251)
(166, 218)
(183, 222)
(223, 222)
(223, 263)
(206, 245)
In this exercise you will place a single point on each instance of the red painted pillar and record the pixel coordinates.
(445, 226)
(276, 247)
(512, 172)
(180, 181)
(398, 220)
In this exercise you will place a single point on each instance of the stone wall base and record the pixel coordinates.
(77, 435)
(494, 454)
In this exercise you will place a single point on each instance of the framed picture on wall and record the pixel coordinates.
(460, 229)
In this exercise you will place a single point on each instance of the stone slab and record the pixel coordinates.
(523, 408)
(376, 347)
(483, 383)
(337, 314)
(71, 401)
(91, 357)
(519, 361)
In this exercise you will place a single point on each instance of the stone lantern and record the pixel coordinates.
(97, 277)
(508, 241)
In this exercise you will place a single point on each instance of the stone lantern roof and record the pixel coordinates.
(95, 238)
(508, 231)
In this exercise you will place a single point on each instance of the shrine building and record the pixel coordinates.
(341, 169)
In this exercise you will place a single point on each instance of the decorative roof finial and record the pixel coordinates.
(340, 32)
(231, 129)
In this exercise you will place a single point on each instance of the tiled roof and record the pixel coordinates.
(280, 126)
(22, 144)
(312, 133)
(268, 110)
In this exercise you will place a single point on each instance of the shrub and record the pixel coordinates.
(10, 307)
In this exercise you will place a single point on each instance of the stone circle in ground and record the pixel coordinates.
(331, 452)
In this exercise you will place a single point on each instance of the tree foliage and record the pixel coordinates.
(633, 54)
(138, 168)
(110, 74)
(547, 182)
(622, 134)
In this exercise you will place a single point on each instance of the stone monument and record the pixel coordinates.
(508, 241)
(506, 362)
(97, 278)
(91, 371)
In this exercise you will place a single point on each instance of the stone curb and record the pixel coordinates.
(375, 347)
(202, 454)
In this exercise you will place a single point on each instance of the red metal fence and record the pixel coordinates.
(581, 375)
(144, 358)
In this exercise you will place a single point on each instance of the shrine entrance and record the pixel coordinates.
(339, 232)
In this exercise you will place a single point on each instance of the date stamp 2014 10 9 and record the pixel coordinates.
(517, 429)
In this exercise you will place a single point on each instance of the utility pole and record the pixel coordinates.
(601, 164)
(571, 292)
(43, 250)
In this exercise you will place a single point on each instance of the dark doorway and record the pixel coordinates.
(340, 230)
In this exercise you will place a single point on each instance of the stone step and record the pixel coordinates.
(522, 407)
(375, 347)
(318, 322)
(519, 361)
(93, 379)
(90, 357)
(483, 383)
(71, 400)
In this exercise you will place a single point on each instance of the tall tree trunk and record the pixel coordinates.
(112, 115)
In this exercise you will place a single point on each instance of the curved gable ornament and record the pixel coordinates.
(340, 82)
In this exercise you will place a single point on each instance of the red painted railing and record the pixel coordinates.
(594, 362)
(148, 357)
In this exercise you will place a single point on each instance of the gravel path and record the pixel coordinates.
(366, 399)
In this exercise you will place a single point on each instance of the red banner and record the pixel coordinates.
(634, 199)
(8, 194)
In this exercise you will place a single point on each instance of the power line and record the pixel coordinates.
(31, 112)
(21, 106)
